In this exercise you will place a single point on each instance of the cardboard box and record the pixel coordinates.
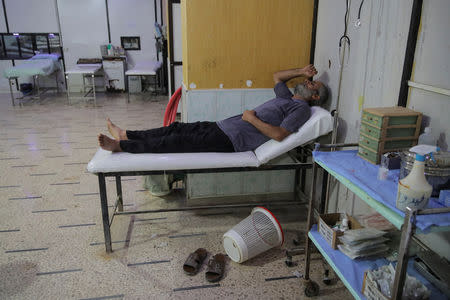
(327, 221)
(370, 289)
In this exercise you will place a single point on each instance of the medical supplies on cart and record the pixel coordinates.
(331, 226)
(378, 285)
(363, 242)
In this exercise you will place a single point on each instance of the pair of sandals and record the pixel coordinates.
(215, 267)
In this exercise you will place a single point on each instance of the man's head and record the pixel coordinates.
(315, 92)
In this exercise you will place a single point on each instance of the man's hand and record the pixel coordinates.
(248, 115)
(285, 75)
(309, 71)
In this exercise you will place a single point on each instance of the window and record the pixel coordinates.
(54, 42)
(25, 45)
(41, 44)
(11, 46)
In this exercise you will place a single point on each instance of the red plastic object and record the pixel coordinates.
(171, 109)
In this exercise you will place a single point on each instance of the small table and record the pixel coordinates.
(143, 69)
(86, 71)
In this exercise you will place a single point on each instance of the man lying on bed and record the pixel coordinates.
(274, 119)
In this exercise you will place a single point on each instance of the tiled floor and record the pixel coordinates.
(51, 236)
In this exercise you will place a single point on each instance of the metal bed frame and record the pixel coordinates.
(408, 230)
(90, 93)
(154, 83)
(118, 207)
(39, 91)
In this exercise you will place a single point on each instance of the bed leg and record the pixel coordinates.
(408, 229)
(119, 193)
(303, 159)
(36, 81)
(11, 91)
(296, 185)
(56, 80)
(93, 89)
(84, 83)
(105, 214)
(67, 90)
(310, 221)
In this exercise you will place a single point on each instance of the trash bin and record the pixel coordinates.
(255, 234)
(158, 185)
(26, 88)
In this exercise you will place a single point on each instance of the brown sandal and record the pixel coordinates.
(194, 261)
(216, 267)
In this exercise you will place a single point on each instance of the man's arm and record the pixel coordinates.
(285, 75)
(274, 132)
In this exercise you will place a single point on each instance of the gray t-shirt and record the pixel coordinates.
(283, 111)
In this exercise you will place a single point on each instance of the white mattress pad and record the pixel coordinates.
(84, 69)
(147, 68)
(319, 123)
(105, 161)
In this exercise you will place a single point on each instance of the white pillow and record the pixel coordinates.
(320, 123)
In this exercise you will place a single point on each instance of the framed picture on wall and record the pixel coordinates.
(130, 42)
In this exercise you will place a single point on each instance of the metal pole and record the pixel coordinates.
(408, 229)
(310, 221)
(128, 94)
(10, 90)
(280, 203)
(119, 193)
(37, 84)
(84, 84)
(56, 80)
(296, 184)
(93, 89)
(303, 171)
(67, 89)
(105, 215)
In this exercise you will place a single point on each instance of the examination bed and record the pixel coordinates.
(86, 70)
(37, 66)
(108, 164)
(144, 69)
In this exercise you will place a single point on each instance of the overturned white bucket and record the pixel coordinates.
(255, 234)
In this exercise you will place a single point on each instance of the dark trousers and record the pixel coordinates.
(178, 138)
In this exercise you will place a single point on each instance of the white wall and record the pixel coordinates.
(83, 29)
(83, 26)
(4, 86)
(134, 18)
(31, 16)
(432, 67)
(374, 68)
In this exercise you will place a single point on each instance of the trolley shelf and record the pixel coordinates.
(360, 177)
(351, 272)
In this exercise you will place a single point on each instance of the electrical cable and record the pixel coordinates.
(359, 11)
(358, 21)
(344, 39)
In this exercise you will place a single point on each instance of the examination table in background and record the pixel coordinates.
(35, 67)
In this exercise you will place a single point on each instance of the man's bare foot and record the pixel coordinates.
(118, 133)
(109, 144)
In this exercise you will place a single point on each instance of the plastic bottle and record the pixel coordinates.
(344, 224)
(426, 138)
(414, 191)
